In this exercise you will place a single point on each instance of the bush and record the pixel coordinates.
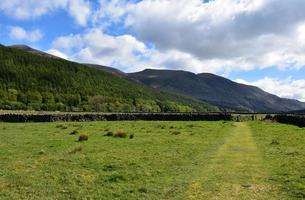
(74, 132)
(109, 168)
(109, 134)
(41, 152)
(176, 133)
(142, 190)
(275, 142)
(162, 126)
(120, 134)
(131, 136)
(116, 178)
(83, 138)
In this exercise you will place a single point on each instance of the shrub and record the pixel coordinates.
(131, 136)
(109, 134)
(109, 168)
(275, 142)
(41, 152)
(176, 132)
(116, 178)
(74, 132)
(83, 138)
(143, 190)
(161, 126)
(120, 134)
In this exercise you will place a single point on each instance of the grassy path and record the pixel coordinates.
(235, 172)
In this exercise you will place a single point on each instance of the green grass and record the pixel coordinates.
(163, 160)
(283, 153)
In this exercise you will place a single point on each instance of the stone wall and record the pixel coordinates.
(298, 120)
(115, 117)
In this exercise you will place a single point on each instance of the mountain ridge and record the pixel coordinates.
(205, 87)
(29, 49)
(216, 90)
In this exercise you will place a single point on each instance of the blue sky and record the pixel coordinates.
(258, 42)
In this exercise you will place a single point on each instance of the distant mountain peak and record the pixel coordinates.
(21, 46)
(29, 49)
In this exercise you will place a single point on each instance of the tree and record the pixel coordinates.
(73, 99)
(3, 95)
(22, 98)
(12, 94)
(34, 97)
(98, 103)
(48, 98)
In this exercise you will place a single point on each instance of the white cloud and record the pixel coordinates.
(80, 10)
(20, 9)
(94, 46)
(124, 52)
(112, 9)
(68, 43)
(286, 88)
(57, 53)
(219, 37)
(230, 34)
(18, 33)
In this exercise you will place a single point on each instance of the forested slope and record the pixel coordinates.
(36, 82)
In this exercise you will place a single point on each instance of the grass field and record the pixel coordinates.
(161, 160)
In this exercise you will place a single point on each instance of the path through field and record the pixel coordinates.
(236, 171)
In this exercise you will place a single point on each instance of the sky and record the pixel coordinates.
(255, 42)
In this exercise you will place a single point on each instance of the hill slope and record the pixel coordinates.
(216, 90)
(31, 80)
(107, 69)
(33, 51)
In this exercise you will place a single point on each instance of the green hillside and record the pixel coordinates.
(35, 82)
(216, 90)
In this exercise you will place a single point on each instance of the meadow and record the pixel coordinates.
(152, 160)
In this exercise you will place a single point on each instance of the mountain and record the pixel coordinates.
(30, 79)
(183, 88)
(108, 69)
(41, 53)
(298, 112)
(216, 90)
(33, 51)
